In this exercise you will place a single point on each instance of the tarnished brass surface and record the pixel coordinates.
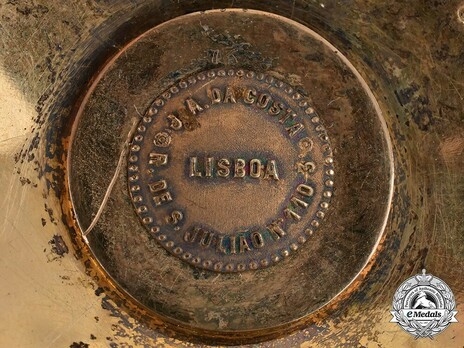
(232, 171)
(77, 80)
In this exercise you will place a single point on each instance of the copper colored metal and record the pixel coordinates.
(231, 169)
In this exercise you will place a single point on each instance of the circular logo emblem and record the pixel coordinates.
(424, 306)
(231, 170)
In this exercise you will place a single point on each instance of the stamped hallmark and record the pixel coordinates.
(231, 170)
(234, 167)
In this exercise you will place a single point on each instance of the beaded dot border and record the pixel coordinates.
(219, 266)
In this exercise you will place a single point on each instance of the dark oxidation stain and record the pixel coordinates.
(417, 106)
(28, 8)
(24, 180)
(79, 345)
(233, 49)
(59, 247)
(405, 95)
(50, 214)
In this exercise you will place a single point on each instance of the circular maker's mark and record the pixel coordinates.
(231, 170)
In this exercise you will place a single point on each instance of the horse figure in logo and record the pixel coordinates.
(422, 300)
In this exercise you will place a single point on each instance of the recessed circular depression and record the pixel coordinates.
(301, 275)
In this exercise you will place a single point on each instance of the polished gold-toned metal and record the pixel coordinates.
(58, 288)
